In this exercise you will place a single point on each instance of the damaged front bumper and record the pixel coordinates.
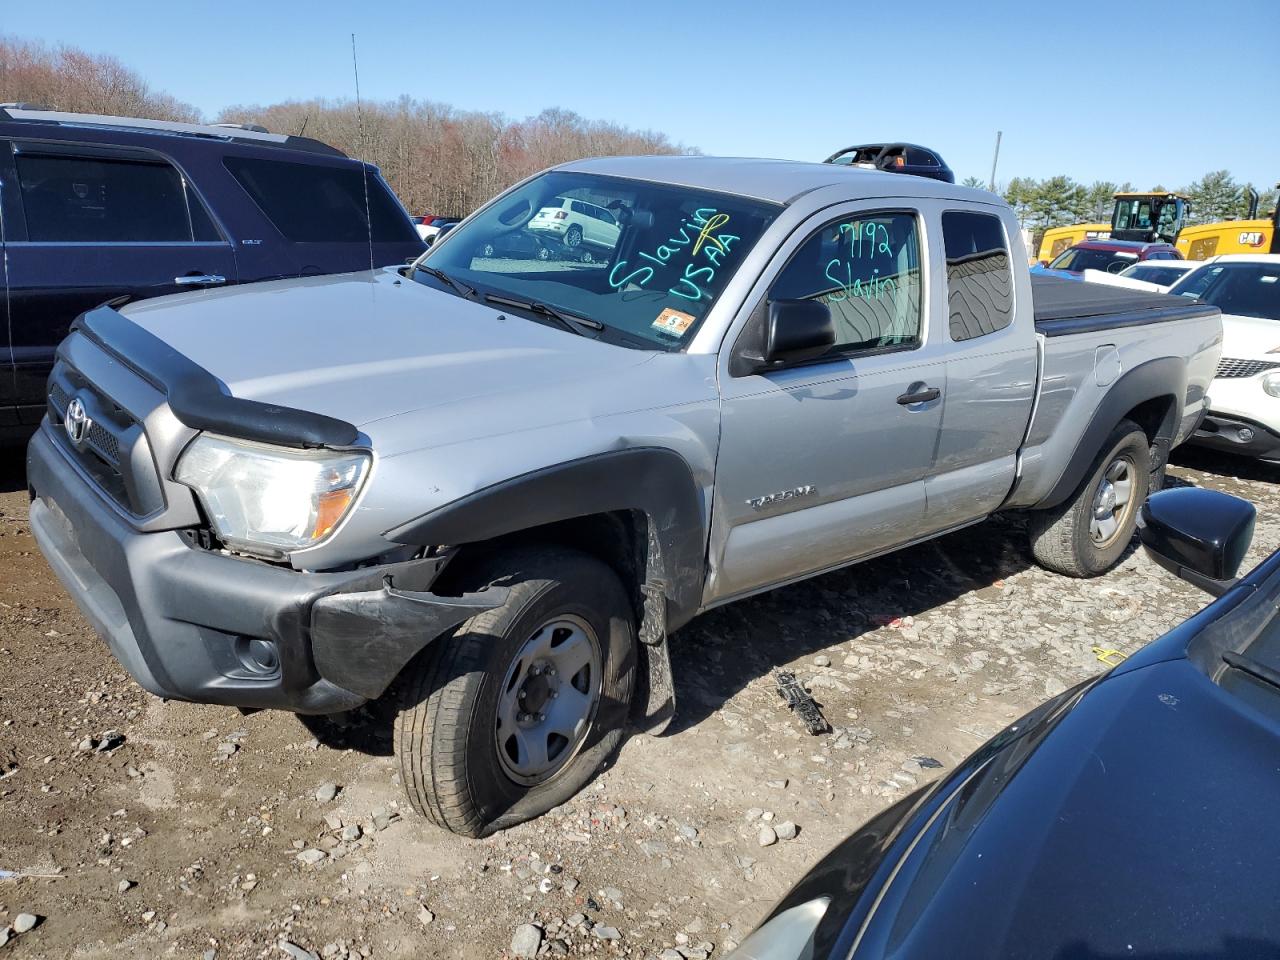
(198, 625)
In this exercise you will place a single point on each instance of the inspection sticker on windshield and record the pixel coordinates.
(673, 322)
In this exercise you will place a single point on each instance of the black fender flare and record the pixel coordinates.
(654, 480)
(1162, 377)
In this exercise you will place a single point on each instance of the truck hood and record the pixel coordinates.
(1250, 338)
(366, 346)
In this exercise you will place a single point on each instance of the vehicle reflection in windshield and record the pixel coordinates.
(644, 260)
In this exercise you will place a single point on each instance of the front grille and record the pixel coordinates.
(1230, 368)
(113, 452)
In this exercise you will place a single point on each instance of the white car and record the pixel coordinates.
(1161, 274)
(1244, 397)
(578, 224)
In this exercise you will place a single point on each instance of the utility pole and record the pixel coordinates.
(994, 161)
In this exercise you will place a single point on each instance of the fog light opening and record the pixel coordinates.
(1245, 434)
(258, 656)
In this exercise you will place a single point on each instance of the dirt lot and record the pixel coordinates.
(184, 840)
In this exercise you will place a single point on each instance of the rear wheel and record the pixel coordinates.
(573, 236)
(515, 711)
(1087, 534)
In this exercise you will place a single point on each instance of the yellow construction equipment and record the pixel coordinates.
(1057, 239)
(1251, 235)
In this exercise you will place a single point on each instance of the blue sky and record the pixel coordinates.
(1094, 90)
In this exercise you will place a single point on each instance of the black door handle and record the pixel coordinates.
(921, 395)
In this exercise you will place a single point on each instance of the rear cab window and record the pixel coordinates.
(314, 203)
(979, 274)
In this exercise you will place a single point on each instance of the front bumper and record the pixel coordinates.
(194, 624)
(1233, 434)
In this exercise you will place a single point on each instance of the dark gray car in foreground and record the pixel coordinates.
(1131, 816)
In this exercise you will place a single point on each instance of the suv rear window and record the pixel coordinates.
(102, 200)
(309, 203)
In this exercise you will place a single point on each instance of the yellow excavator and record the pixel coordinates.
(1250, 235)
(1145, 217)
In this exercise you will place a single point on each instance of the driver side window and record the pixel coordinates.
(866, 269)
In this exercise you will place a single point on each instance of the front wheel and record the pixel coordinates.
(1087, 534)
(514, 712)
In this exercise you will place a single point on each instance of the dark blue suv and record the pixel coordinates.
(93, 208)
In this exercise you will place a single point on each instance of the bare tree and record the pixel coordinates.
(64, 78)
(447, 161)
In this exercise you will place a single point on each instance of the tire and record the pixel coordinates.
(1073, 538)
(573, 237)
(544, 253)
(487, 250)
(469, 755)
(587, 257)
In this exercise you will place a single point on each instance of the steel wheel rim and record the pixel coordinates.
(548, 700)
(1113, 501)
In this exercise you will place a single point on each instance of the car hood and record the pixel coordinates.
(1129, 821)
(1250, 338)
(367, 346)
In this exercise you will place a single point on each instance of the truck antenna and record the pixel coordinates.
(994, 160)
(364, 164)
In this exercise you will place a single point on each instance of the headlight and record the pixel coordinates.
(269, 499)
(1271, 384)
(788, 936)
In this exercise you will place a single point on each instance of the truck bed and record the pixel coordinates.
(1073, 306)
(1093, 336)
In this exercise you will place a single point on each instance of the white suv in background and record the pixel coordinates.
(1244, 397)
(578, 224)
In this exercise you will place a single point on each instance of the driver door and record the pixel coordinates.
(824, 463)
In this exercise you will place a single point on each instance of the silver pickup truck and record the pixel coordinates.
(491, 483)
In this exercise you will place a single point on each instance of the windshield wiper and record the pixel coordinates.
(572, 323)
(466, 291)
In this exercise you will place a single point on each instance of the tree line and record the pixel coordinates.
(448, 161)
(438, 159)
(1058, 201)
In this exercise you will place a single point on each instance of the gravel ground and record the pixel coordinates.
(167, 829)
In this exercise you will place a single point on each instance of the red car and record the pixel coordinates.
(1109, 255)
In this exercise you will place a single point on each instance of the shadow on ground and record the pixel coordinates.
(1225, 464)
(751, 637)
(757, 635)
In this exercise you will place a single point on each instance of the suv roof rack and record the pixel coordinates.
(236, 132)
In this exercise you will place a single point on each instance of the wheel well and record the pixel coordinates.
(618, 538)
(1155, 417)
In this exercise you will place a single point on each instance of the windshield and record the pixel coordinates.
(1154, 273)
(1080, 259)
(1243, 289)
(646, 260)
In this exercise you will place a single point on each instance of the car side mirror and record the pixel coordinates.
(797, 330)
(1199, 535)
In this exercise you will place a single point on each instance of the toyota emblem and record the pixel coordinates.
(77, 422)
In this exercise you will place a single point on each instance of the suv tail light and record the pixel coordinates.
(560, 215)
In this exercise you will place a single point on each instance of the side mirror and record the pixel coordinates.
(797, 330)
(1199, 535)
